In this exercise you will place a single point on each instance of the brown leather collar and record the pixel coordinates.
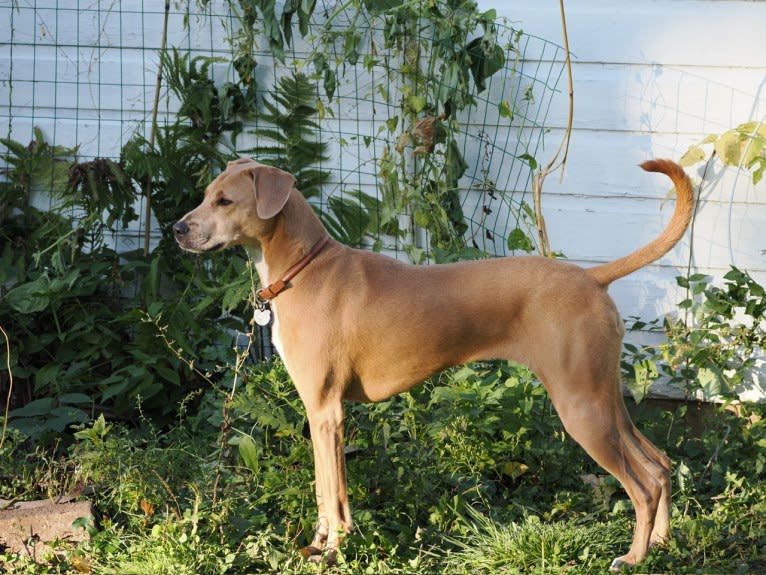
(273, 290)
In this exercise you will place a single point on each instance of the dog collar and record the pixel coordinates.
(273, 290)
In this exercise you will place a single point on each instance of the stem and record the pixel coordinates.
(226, 424)
(152, 131)
(10, 386)
(555, 163)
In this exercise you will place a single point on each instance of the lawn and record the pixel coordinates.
(469, 473)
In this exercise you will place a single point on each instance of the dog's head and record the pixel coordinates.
(238, 209)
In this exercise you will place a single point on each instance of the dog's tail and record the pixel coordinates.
(609, 272)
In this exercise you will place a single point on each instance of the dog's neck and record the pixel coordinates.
(296, 231)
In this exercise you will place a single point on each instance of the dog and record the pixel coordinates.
(352, 325)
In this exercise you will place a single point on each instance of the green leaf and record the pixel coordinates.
(417, 103)
(330, 83)
(742, 145)
(518, 240)
(709, 380)
(31, 297)
(63, 417)
(692, 156)
(168, 374)
(515, 469)
(75, 398)
(683, 476)
(249, 453)
(645, 372)
(34, 408)
(115, 389)
(529, 160)
(506, 110)
(485, 61)
(351, 46)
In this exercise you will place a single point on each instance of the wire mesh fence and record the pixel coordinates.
(120, 112)
(86, 76)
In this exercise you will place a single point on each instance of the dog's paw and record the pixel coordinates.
(619, 564)
(311, 553)
(315, 555)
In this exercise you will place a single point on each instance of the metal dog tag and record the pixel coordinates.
(262, 316)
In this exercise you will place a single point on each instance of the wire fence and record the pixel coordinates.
(86, 76)
(87, 84)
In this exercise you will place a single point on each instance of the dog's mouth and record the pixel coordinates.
(193, 238)
(214, 248)
(196, 248)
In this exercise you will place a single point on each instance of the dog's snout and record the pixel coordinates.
(180, 228)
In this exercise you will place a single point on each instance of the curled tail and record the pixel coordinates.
(609, 272)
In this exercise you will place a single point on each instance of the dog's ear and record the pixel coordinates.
(240, 162)
(272, 190)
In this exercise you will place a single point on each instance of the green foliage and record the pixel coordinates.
(293, 133)
(443, 65)
(438, 57)
(475, 459)
(92, 330)
(430, 478)
(713, 348)
(85, 321)
(61, 283)
(743, 147)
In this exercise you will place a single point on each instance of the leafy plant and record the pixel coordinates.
(289, 123)
(441, 69)
(56, 267)
(439, 56)
(743, 146)
(429, 476)
(296, 147)
(714, 347)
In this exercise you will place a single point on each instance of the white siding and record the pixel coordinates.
(652, 78)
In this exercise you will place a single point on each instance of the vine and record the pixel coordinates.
(716, 351)
(435, 57)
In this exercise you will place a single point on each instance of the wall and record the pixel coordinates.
(652, 78)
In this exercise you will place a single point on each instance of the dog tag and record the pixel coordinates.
(262, 316)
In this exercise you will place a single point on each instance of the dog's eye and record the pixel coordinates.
(223, 202)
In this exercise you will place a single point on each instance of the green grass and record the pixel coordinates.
(535, 546)
(467, 475)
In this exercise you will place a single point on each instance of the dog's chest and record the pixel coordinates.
(262, 268)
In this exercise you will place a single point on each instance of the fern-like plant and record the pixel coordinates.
(289, 139)
(290, 135)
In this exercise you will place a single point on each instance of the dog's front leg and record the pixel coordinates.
(317, 545)
(334, 515)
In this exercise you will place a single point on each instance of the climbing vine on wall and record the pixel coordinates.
(435, 57)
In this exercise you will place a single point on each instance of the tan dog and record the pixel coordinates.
(360, 326)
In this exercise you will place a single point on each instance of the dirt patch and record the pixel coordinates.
(27, 527)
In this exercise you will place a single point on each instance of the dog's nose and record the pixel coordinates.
(180, 228)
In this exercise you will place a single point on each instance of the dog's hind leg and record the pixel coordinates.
(661, 468)
(601, 425)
